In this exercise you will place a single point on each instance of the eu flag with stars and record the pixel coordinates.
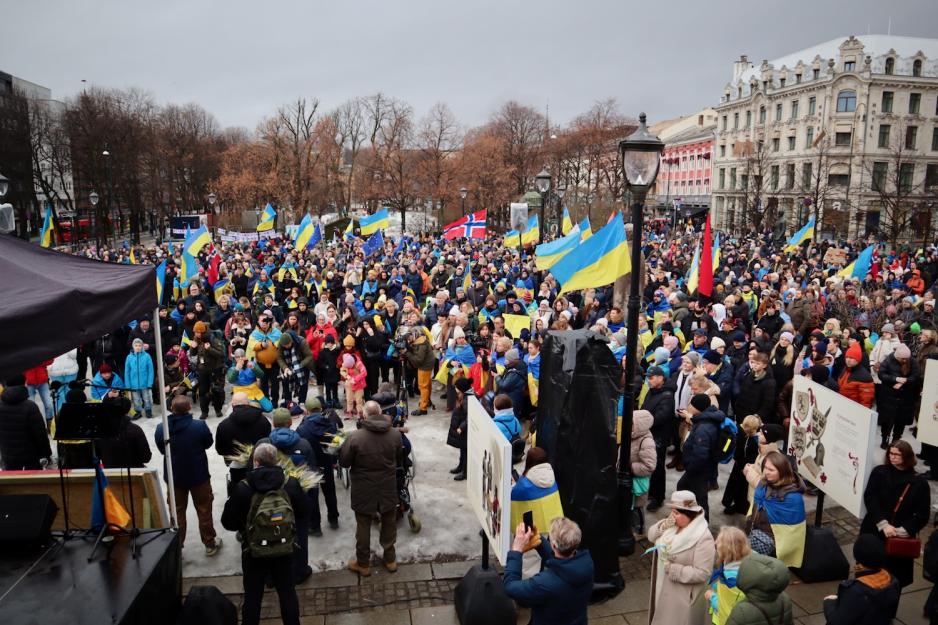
(374, 243)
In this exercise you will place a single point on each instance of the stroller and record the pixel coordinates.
(396, 410)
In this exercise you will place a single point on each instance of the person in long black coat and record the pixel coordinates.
(459, 424)
(894, 479)
(756, 394)
(736, 493)
(896, 406)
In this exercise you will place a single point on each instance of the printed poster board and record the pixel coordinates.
(928, 413)
(488, 478)
(835, 256)
(518, 216)
(831, 438)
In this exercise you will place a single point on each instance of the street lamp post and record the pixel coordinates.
(462, 196)
(93, 198)
(560, 191)
(542, 182)
(641, 158)
(107, 179)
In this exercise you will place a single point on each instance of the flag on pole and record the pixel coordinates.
(266, 221)
(196, 240)
(467, 279)
(306, 235)
(472, 226)
(597, 264)
(693, 276)
(374, 243)
(349, 231)
(533, 233)
(160, 282)
(860, 266)
(45, 235)
(372, 223)
(585, 230)
(717, 253)
(106, 508)
(222, 287)
(705, 285)
(806, 233)
(133, 259)
(549, 254)
(566, 224)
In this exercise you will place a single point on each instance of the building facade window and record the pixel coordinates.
(915, 103)
(934, 140)
(879, 176)
(890, 65)
(807, 174)
(815, 73)
(812, 105)
(790, 176)
(794, 109)
(883, 136)
(762, 114)
(748, 119)
(735, 121)
(776, 144)
(906, 171)
(809, 137)
(931, 175)
(778, 112)
(911, 134)
(774, 178)
(887, 102)
(722, 178)
(842, 139)
(850, 66)
(847, 101)
(723, 150)
(724, 122)
(838, 180)
(917, 67)
(732, 177)
(797, 79)
(791, 144)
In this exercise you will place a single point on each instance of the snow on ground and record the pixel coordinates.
(449, 527)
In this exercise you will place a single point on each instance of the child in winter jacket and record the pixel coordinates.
(138, 376)
(354, 376)
(736, 494)
(731, 546)
(327, 371)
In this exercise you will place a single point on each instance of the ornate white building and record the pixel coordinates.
(849, 126)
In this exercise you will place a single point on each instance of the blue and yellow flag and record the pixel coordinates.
(222, 287)
(543, 503)
(160, 281)
(306, 235)
(806, 233)
(196, 240)
(349, 230)
(372, 223)
(585, 230)
(467, 279)
(106, 508)
(533, 233)
(267, 219)
(186, 341)
(566, 224)
(787, 518)
(860, 266)
(188, 269)
(45, 235)
(132, 258)
(717, 252)
(693, 276)
(597, 264)
(548, 254)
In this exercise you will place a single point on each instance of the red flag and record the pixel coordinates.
(705, 283)
(213, 263)
(472, 226)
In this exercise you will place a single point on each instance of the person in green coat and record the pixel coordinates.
(763, 579)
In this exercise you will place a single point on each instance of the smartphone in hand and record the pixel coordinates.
(528, 519)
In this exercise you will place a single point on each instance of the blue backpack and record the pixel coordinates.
(724, 449)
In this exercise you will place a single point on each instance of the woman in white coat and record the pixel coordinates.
(684, 552)
(64, 369)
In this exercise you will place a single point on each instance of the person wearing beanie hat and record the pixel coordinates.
(661, 357)
(355, 379)
(712, 357)
(106, 383)
(718, 345)
(295, 359)
(24, 441)
(207, 354)
(856, 381)
(262, 349)
(659, 401)
(872, 596)
(513, 381)
(697, 453)
(319, 428)
(899, 392)
(138, 375)
(457, 436)
(757, 390)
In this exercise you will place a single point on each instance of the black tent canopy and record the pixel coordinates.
(51, 302)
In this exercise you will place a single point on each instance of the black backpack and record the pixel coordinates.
(724, 448)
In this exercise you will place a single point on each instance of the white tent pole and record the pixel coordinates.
(165, 410)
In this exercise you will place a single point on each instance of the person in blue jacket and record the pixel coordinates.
(138, 375)
(106, 383)
(504, 417)
(560, 594)
(513, 381)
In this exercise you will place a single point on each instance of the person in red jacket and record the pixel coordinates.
(37, 383)
(856, 382)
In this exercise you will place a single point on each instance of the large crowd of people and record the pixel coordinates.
(327, 334)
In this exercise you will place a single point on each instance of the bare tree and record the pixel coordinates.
(351, 130)
(752, 182)
(438, 138)
(815, 179)
(522, 131)
(51, 152)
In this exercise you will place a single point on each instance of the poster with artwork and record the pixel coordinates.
(928, 413)
(488, 478)
(831, 439)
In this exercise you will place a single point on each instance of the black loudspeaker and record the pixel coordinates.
(481, 599)
(25, 521)
(824, 560)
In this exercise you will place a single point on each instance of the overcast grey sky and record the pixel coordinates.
(241, 59)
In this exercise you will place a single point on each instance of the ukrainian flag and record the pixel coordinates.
(45, 235)
(533, 233)
(467, 279)
(306, 234)
(160, 281)
(806, 233)
(597, 264)
(543, 503)
(222, 287)
(196, 240)
(693, 276)
(189, 268)
(266, 221)
(566, 224)
(548, 254)
(787, 518)
(287, 269)
(133, 259)
(585, 230)
(860, 266)
(716, 253)
(186, 341)
(349, 230)
(106, 508)
(372, 223)
(512, 239)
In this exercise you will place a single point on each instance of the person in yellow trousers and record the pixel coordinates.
(420, 357)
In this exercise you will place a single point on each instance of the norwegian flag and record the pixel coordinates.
(472, 226)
